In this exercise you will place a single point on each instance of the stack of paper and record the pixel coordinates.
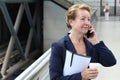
(79, 63)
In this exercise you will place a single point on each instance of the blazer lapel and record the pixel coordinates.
(88, 47)
(68, 44)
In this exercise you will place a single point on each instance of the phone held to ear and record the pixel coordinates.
(89, 34)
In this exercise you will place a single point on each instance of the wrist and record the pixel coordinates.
(83, 76)
(96, 42)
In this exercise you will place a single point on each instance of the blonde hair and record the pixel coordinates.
(71, 12)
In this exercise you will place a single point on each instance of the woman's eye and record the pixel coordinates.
(82, 18)
(88, 19)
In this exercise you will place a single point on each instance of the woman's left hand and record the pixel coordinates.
(89, 73)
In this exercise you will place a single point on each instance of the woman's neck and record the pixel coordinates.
(78, 42)
(75, 37)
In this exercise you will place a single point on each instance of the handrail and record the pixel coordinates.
(63, 3)
(93, 15)
(81, 1)
(35, 67)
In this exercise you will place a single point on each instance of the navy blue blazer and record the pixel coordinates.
(99, 53)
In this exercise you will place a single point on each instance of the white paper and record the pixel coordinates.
(97, 66)
(79, 63)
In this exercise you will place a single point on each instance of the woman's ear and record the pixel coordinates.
(70, 22)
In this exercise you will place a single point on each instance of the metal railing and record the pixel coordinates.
(38, 70)
(80, 1)
(92, 3)
(63, 3)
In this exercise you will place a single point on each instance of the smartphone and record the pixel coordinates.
(89, 34)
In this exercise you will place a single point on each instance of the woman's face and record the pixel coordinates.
(82, 21)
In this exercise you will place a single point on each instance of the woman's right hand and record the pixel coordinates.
(89, 73)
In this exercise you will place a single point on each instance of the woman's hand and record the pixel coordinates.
(94, 40)
(89, 73)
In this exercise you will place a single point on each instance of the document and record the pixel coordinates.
(75, 63)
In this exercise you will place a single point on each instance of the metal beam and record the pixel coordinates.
(32, 25)
(11, 27)
(29, 40)
(7, 71)
(12, 39)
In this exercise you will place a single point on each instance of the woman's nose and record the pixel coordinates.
(87, 21)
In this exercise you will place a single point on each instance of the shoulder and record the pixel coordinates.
(57, 49)
(58, 45)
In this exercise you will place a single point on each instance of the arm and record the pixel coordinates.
(56, 65)
(105, 56)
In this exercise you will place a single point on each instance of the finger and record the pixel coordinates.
(90, 25)
(93, 71)
(91, 76)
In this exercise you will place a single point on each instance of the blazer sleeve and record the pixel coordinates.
(56, 65)
(105, 56)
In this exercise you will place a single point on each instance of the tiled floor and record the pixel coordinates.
(109, 32)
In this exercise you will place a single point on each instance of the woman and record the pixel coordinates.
(107, 11)
(78, 20)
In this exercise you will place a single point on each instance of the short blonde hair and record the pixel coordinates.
(71, 12)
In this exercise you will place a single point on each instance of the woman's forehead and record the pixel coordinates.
(82, 12)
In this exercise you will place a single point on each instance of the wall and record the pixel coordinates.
(54, 23)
